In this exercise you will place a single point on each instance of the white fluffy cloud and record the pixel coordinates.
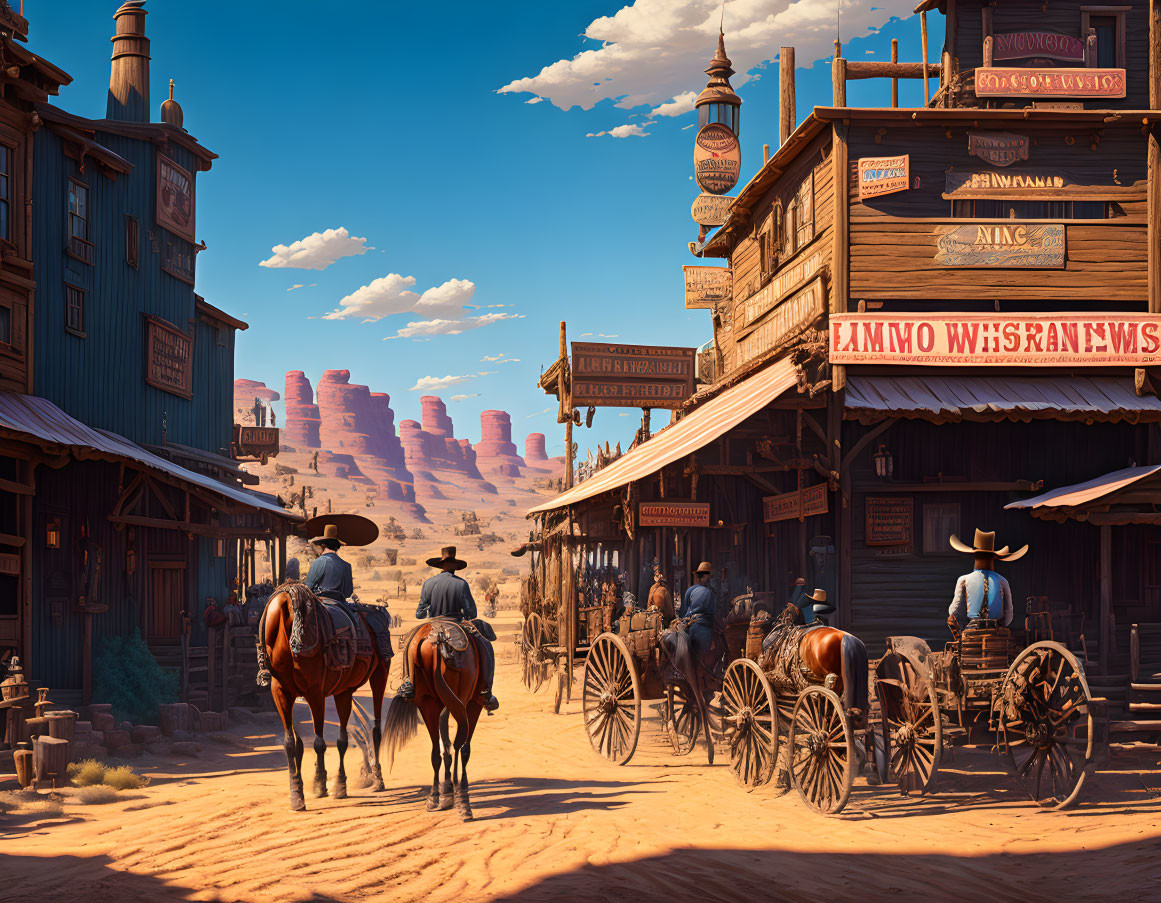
(679, 106)
(654, 50)
(393, 294)
(317, 251)
(439, 383)
(628, 130)
(465, 397)
(423, 328)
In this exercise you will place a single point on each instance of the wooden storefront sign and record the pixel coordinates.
(996, 340)
(168, 358)
(889, 520)
(789, 279)
(998, 148)
(707, 287)
(1040, 44)
(995, 81)
(1001, 244)
(10, 564)
(879, 176)
(791, 317)
(717, 158)
(711, 209)
(633, 376)
(799, 504)
(673, 514)
(961, 184)
(175, 198)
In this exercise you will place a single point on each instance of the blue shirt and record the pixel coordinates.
(330, 576)
(806, 606)
(446, 596)
(699, 602)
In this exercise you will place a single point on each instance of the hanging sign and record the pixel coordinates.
(631, 376)
(990, 184)
(175, 198)
(1023, 44)
(798, 504)
(168, 358)
(673, 514)
(707, 287)
(717, 158)
(1008, 245)
(889, 521)
(996, 340)
(883, 175)
(998, 148)
(711, 209)
(994, 81)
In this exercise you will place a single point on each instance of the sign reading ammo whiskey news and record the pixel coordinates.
(1006, 244)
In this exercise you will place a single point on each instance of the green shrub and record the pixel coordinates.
(86, 773)
(127, 675)
(124, 778)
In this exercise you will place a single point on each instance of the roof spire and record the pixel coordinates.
(171, 110)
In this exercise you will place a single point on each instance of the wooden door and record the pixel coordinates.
(167, 588)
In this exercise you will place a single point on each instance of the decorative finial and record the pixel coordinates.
(171, 110)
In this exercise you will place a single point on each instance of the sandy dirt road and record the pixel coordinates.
(555, 822)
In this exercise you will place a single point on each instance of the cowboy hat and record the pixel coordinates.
(819, 598)
(347, 529)
(447, 557)
(704, 568)
(985, 544)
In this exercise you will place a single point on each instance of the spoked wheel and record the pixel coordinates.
(682, 719)
(750, 721)
(1047, 723)
(612, 699)
(822, 764)
(912, 727)
(536, 659)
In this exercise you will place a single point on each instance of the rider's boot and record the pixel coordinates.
(406, 690)
(491, 703)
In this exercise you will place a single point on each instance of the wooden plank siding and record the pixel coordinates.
(1062, 18)
(893, 239)
(100, 379)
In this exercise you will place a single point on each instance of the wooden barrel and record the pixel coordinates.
(61, 724)
(50, 758)
(23, 761)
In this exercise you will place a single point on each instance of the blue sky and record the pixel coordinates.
(386, 120)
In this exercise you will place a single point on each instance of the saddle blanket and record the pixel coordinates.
(345, 630)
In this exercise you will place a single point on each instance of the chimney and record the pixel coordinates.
(129, 75)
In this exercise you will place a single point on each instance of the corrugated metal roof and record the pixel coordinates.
(694, 431)
(1083, 493)
(998, 397)
(29, 416)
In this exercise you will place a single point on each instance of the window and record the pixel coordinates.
(768, 242)
(6, 156)
(5, 324)
(177, 258)
(80, 245)
(132, 241)
(75, 310)
(939, 522)
(798, 223)
(1109, 24)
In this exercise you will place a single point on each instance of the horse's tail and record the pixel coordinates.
(400, 724)
(855, 671)
(677, 648)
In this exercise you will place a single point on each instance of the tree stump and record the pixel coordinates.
(50, 758)
(35, 727)
(23, 761)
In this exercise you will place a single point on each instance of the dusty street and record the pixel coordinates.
(555, 822)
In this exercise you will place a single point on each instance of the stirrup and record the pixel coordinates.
(263, 677)
(491, 704)
(406, 690)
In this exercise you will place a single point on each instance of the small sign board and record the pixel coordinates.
(790, 278)
(711, 209)
(10, 564)
(168, 358)
(1008, 183)
(889, 520)
(1006, 244)
(883, 175)
(632, 376)
(717, 158)
(998, 148)
(175, 198)
(791, 317)
(798, 504)
(707, 287)
(995, 81)
(673, 514)
(635, 394)
(1021, 45)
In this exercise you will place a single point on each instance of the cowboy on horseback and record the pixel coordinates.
(698, 606)
(447, 596)
(329, 576)
(982, 595)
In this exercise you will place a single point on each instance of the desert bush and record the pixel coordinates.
(124, 778)
(97, 795)
(127, 675)
(87, 773)
(407, 562)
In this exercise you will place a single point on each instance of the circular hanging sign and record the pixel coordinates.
(710, 209)
(717, 158)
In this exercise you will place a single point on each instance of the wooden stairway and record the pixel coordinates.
(1141, 719)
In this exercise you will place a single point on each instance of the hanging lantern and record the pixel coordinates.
(52, 533)
(717, 156)
(718, 102)
(884, 463)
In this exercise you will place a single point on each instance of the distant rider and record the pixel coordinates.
(697, 609)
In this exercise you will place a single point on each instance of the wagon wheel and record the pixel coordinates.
(912, 726)
(612, 699)
(682, 719)
(1046, 723)
(750, 720)
(535, 670)
(822, 764)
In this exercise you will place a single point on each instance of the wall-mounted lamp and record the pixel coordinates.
(884, 463)
(52, 533)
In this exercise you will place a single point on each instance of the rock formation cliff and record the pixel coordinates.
(495, 451)
(301, 427)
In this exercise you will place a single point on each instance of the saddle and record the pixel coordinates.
(346, 631)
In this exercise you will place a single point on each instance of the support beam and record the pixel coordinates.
(860, 69)
(923, 30)
(1153, 221)
(839, 81)
(1106, 594)
(894, 81)
(787, 113)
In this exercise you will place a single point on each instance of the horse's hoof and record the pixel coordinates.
(340, 791)
(465, 812)
(445, 802)
(320, 789)
(297, 803)
(432, 803)
(379, 788)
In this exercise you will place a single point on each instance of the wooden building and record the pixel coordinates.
(936, 312)
(122, 507)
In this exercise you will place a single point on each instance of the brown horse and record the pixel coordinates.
(309, 677)
(443, 662)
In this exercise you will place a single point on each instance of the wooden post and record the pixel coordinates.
(765, 154)
(211, 663)
(989, 51)
(986, 19)
(894, 81)
(840, 255)
(945, 74)
(951, 30)
(26, 656)
(281, 559)
(1154, 56)
(1106, 594)
(1153, 227)
(87, 660)
(923, 33)
(1090, 49)
(839, 81)
(787, 113)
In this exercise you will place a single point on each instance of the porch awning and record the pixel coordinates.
(944, 398)
(27, 417)
(1129, 496)
(696, 430)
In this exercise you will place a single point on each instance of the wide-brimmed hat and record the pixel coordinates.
(819, 595)
(984, 543)
(447, 556)
(820, 606)
(704, 568)
(346, 529)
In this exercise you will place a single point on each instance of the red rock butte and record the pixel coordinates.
(301, 425)
(495, 450)
(536, 456)
(431, 446)
(246, 390)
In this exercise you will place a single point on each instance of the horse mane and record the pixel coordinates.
(302, 606)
